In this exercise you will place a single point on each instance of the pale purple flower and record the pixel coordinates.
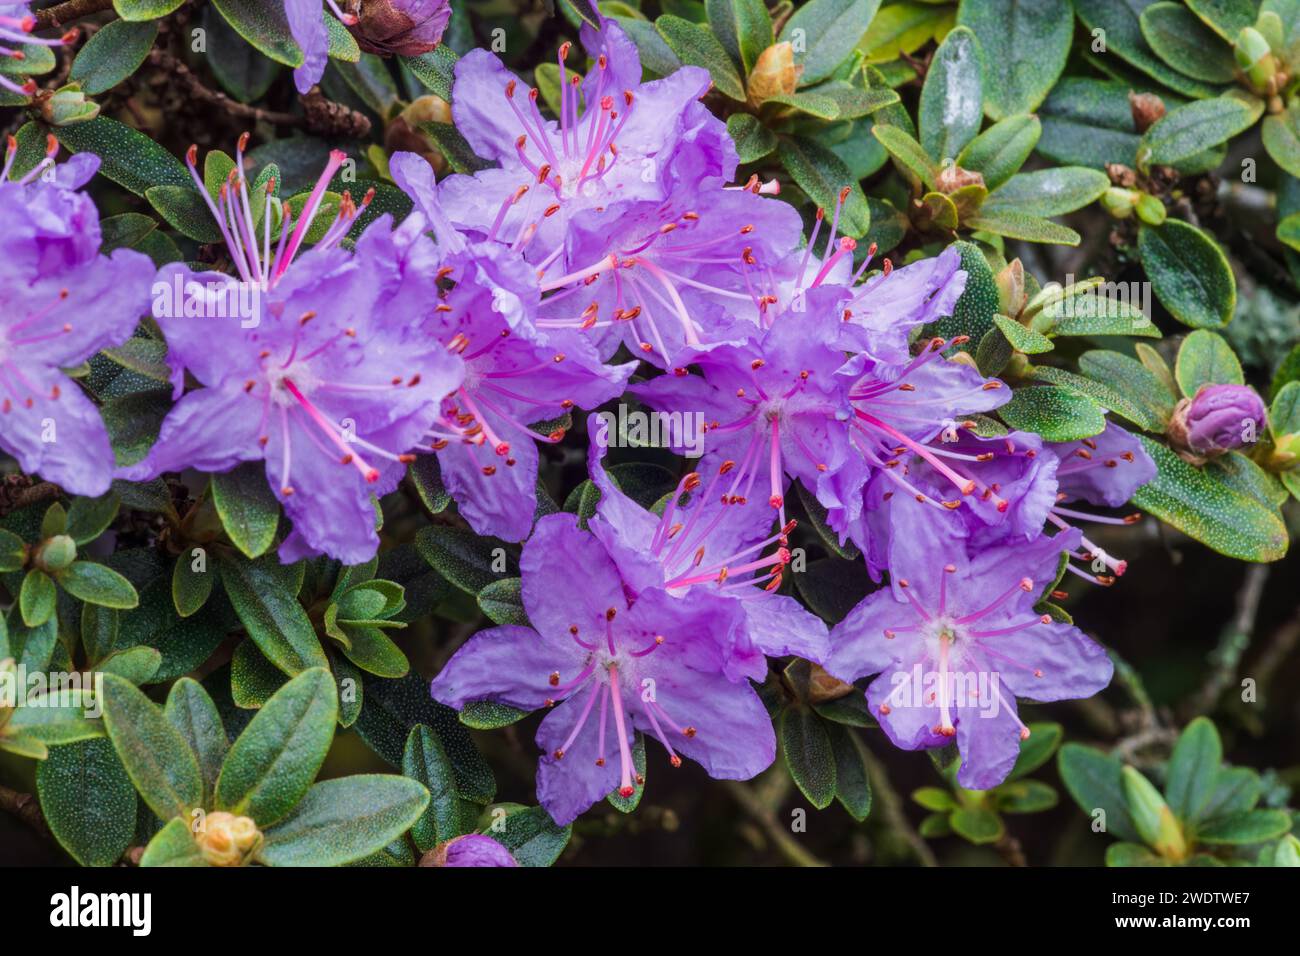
(307, 26)
(330, 387)
(957, 638)
(60, 303)
(776, 408)
(617, 139)
(515, 375)
(611, 665)
(707, 546)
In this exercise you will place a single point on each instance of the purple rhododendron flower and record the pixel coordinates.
(663, 277)
(514, 375)
(957, 639)
(1014, 492)
(708, 548)
(60, 303)
(329, 386)
(1219, 419)
(399, 27)
(307, 26)
(472, 849)
(611, 664)
(617, 139)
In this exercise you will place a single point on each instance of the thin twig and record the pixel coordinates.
(1010, 849)
(789, 847)
(25, 807)
(890, 803)
(1232, 642)
(184, 77)
(70, 11)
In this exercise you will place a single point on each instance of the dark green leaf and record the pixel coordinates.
(806, 746)
(87, 801)
(952, 97)
(115, 52)
(155, 755)
(1025, 44)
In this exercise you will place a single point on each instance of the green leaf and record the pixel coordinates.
(155, 755)
(434, 69)
(144, 9)
(1015, 225)
(425, 761)
(1134, 380)
(129, 158)
(1193, 772)
(89, 517)
(1001, 149)
(586, 10)
(115, 52)
(13, 551)
(1187, 130)
(1123, 34)
(487, 715)
(1093, 313)
(952, 98)
(1043, 740)
(265, 26)
(1281, 135)
(37, 597)
(1189, 273)
(98, 584)
(374, 651)
(806, 746)
(1195, 502)
(1047, 192)
(532, 837)
(1257, 826)
(173, 845)
(1025, 45)
(852, 777)
(253, 679)
(1025, 796)
(935, 798)
(241, 70)
(980, 301)
(1227, 18)
(87, 801)
(907, 151)
(185, 210)
(273, 762)
(824, 33)
(502, 602)
(1057, 414)
(1022, 339)
(744, 28)
(1205, 358)
(271, 614)
(1088, 122)
(753, 139)
(192, 712)
(821, 175)
(463, 558)
(977, 825)
(191, 589)
(695, 45)
(901, 28)
(137, 664)
(1180, 39)
(344, 820)
(1094, 781)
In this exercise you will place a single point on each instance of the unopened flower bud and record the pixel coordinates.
(226, 840)
(401, 27)
(1218, 419)
(56, 553)
(1146, 109)
(774, 73)
(1119, 202)
(1155, 822)
(1255, 59)
(473, 849)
